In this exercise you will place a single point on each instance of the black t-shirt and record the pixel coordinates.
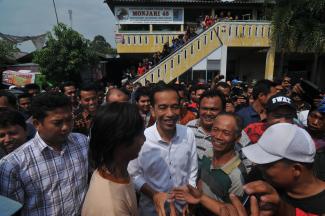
(313, 204)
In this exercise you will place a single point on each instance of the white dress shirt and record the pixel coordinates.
(163, 165)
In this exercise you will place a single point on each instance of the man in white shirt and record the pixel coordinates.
(168, 158)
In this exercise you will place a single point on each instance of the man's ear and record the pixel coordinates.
(152, 112)
(298, 168)
(36, 123)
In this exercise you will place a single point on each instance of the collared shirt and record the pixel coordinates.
(164, 166)
(249, 115)
(45, 181)
(202, 139)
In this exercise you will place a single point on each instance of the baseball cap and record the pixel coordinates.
(8, 206)
(277, 101)
(282, 140)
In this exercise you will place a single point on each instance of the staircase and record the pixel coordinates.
(232, 34)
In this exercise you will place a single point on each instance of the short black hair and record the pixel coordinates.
(9, 117)
(161, 86)
(24, 95)
(308, 166)
(65, 84)
(46, 102)
(32, 86)
(114, 124)
(223, 85)
(11, 98)
(88, 87)
(200, 86)
(262, 86)
(141, 91)
(238, 120)
(214, 93)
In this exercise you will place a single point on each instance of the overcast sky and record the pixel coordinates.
(34, 17)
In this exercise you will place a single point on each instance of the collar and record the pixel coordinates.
(229, 166)
(160, 140)
(200, 129)
(42, 145)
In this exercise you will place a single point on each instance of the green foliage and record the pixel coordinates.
(299, 25)
(7, 49)
(66, 55)
(100, 45)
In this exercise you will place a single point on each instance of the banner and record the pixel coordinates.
(149, 15)
(17, 78)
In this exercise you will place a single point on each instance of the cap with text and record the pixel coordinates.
(279, 100)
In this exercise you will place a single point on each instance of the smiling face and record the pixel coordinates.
(89, 101)
(224, 134)
(166, 110)
(209, 108)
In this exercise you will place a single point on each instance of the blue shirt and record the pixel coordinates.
(248, 115)
(45, 181)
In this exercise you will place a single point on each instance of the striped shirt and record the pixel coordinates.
(202, 139)
(45, 181)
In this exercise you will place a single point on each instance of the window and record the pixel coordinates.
(158, 72)
(192, 49)
(205, 40)
(211, 34)
(198, 44)
(185, 54)
(172, 63)
(178, 59)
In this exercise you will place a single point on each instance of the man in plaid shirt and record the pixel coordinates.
(48, 174)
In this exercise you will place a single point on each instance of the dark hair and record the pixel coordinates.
(141, 91)
(200, 86)
(308, 166)
(46, 102)
(214, 93)
(32, 86)
(24, 95)
(262, 86)
(9, 117)
(223, 85)
(66, 84)
(238, 120)
(87, 87)
(114, 124)
(161, 86)
(11, 98)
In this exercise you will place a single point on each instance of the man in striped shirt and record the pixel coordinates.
(211, 104)
(48, 174)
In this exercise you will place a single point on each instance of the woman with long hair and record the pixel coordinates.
(116, 138)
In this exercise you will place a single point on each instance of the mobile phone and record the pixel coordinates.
(245, 201)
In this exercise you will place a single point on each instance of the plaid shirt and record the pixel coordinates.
(47, 182)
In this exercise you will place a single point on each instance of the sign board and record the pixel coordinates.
(23, 78)
(149, 15)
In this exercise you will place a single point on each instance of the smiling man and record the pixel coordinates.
(225, 172)
(168, 157)
(88, 107)
(48, 174)
(211, 104)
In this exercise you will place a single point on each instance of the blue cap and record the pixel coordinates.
(8, 206)
(321, 106)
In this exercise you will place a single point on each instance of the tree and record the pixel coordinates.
(299, 26)
(66, 55)
(100, 45)
(7, 50)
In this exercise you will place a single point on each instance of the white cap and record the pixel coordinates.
(282, 140)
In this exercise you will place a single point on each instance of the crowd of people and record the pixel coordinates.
(146, 64)
(210, 20)
(228, 148)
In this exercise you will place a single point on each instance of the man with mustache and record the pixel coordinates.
(168, 158)
(211, 104)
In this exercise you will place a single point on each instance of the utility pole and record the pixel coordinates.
(70, 17)
(56, 14)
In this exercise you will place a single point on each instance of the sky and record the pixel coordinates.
(35, 17)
